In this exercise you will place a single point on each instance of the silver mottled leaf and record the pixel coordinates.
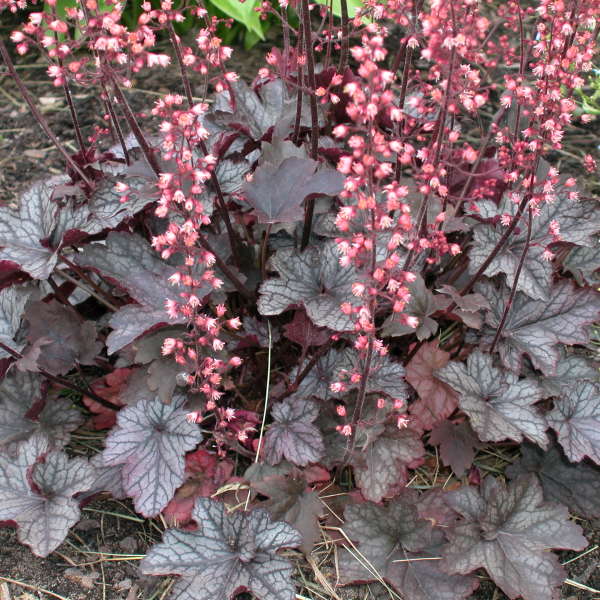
(150, 441)
(12, 306)
(313, 278)
(499, 404)
(398, 546)
(537, 327)
(229, 552)
(507, 530)
(43, 514)
(576, 420)
(293, 435)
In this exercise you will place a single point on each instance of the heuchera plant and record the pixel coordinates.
(319, 278)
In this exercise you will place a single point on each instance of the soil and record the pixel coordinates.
(99, 559)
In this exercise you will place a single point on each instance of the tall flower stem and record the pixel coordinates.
(314, 117)
(224, 213)
(513, 291)
(38, 115)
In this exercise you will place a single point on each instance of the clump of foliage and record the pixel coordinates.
(312, 281)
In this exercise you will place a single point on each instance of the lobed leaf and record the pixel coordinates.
(293, 435)
(38, 496)
(576, 420)
(229, 553)
(150, 441)
(403, 549)
(575, 485)
(537, 327)
(313, 278)
(277, 191)
(498, 403)
(507, 530)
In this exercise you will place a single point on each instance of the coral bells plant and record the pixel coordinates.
(290, 304)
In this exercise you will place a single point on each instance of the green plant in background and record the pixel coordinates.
(590, 102)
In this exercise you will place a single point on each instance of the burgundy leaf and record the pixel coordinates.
(575, 485)
(401, 548)
(110, 387)
(204, 475)
(150, 440)
(276, 192)
(499, 404)
(576, 420)
(536, 328)
(293, 435)
(507, 530)
(423, 303)
(290, 500)
(23, 393)
(437, 400)
(302, 331)
(457, 443)
(313, 278)
(38, 496)
(229, 553)
(66, 341)
(577, 225)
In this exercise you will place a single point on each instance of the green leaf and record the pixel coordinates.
(243, 12)
(337, 6)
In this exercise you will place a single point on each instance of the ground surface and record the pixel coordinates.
(98, 561)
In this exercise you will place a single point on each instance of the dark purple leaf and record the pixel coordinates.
(576, 420)
(38, 496)
(423, 303)
(131, 262)
(257, 111)
(229, 553)
(276, 192)
(507, 530)
(437, 400)
(290, 500)
(313, 278)
(498, 403)
(536, 327)
(66, 341)
(468, 307)
(379, 453)
(302, 331)
(457, 443)
(575, 485)
(293, 435)
(397, 546)
(584, 263)
(570, 369)
(19, 394)
(577, 225)
(150, 440)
